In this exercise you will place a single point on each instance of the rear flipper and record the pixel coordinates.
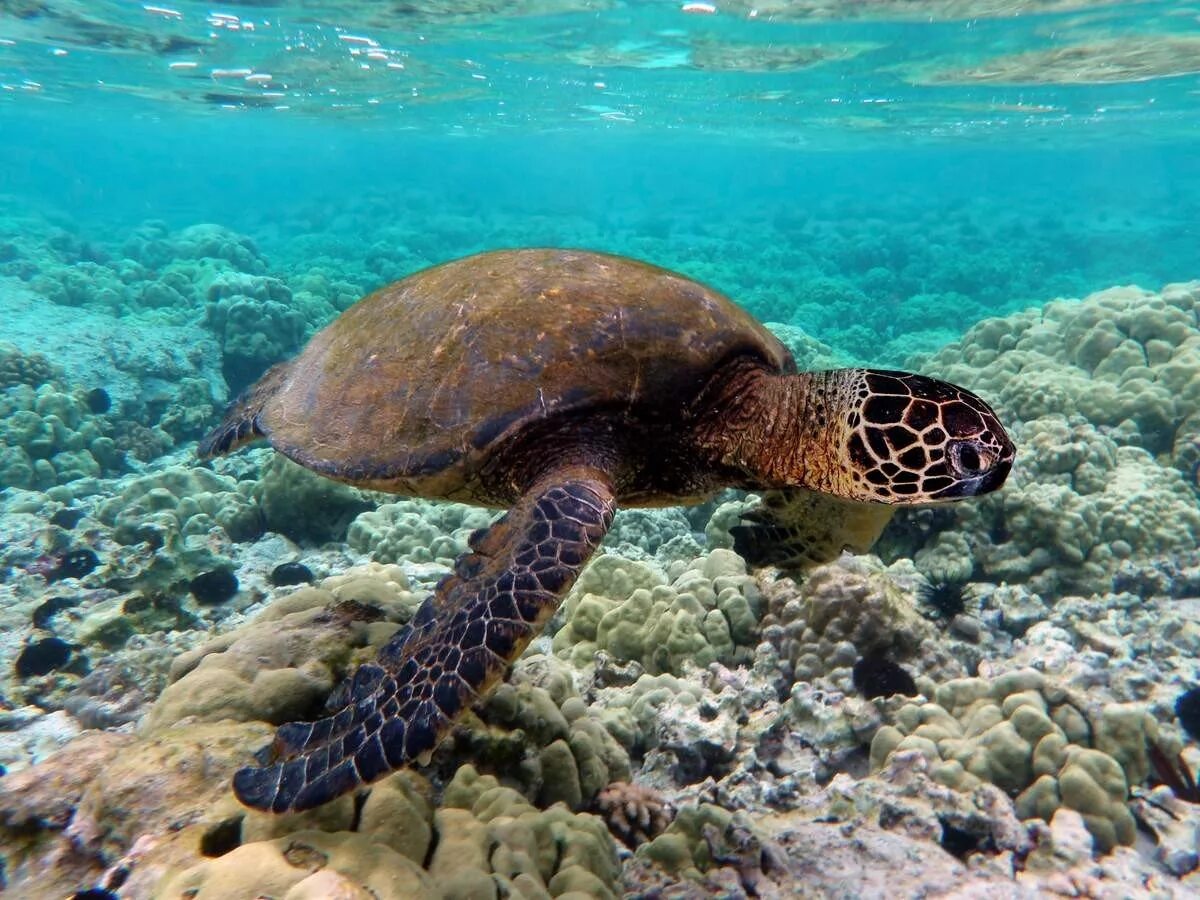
(242, 422)
(794, 529)
(459, 643)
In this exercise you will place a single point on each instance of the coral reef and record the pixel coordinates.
(1103, 392)
(284, 663)
(49, 437)
(488, 840)
(731, 730)
(706, 612)
(306, 507)
(66, 818)
(155, 246)
(852, 609)
(663, 536)
(534, 730)
(177, 523)
(416, 531)
(255, 323)
(634, 813)
(1030, 739)
(540, 737)
(33, 369)
(279, 667)
(1125, 359)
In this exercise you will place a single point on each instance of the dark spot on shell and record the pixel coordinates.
(435, 462)
(42, 657)
(211, 588)
(67, 518)
(488, 431)
(98, 401)
(877, 676)
(290, 573)
(47, 610)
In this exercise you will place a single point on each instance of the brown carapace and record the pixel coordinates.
(563, 384)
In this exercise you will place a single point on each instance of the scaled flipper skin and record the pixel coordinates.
(459, 643)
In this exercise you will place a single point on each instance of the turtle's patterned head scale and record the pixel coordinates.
(911, 439)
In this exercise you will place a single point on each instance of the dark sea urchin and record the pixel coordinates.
(944, 596)
(1187, 708)
(877, 676)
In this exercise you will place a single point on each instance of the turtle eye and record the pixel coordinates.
(969, 459)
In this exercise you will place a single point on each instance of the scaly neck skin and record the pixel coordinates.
(774, 428)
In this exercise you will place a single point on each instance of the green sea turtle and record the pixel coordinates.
(561, 384)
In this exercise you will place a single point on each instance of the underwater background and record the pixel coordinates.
(1002, 699)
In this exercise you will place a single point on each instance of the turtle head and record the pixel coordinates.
(907, 439)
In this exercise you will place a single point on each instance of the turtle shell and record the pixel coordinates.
(413, 387)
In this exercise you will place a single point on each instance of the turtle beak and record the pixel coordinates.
(994, 479)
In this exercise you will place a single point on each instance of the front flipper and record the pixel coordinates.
(794, 529)
(459, 643)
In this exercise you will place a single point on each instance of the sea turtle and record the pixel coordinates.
(561, 384)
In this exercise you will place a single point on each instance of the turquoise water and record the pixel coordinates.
(819, 164)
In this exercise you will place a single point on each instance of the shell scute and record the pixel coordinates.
(413, 387)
